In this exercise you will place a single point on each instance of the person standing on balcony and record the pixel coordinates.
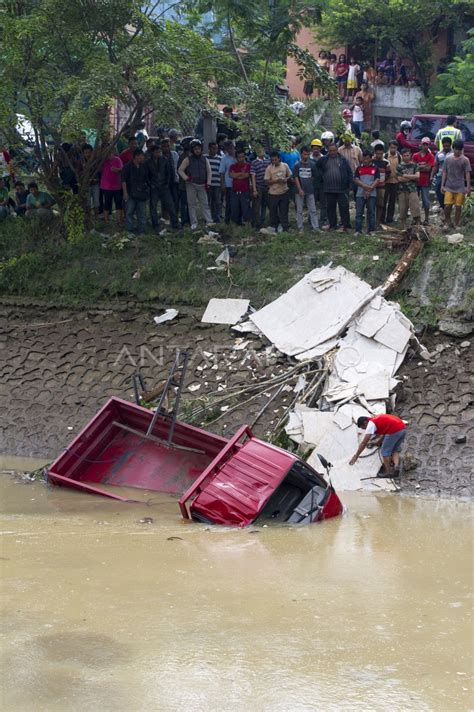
(332, 66)
(367, 97)
(352, 74)
(342, 70)
(324, 62)
(425, 160)
(358, 116)
(449, 131)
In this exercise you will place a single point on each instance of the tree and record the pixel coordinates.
(407, 26)
(66, 64)
(254, 39)
(456, 85)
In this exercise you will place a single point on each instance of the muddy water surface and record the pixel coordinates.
(103, 611)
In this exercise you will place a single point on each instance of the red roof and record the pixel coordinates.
(242, 486)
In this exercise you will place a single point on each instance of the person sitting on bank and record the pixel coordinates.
(390, 431)
(39, 204)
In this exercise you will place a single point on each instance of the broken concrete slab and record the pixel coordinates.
(247, 327)
(315, 310)
(373, 319)
(375, 387)
(396, 333)
(225, 311)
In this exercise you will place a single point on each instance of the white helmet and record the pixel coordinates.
(327, 135)
(405, 125)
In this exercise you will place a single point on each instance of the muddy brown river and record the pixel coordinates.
(112, 606)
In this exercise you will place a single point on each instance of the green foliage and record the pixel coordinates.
(266, 118)
(254, 41)
(468, 209)
(74, 218)
(65, 65)
(36, 263)
(407, 26)
(456, 85)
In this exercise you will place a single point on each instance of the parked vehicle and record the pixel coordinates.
(233, 482)
(429, 124)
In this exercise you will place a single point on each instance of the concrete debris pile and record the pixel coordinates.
(364, 339)
(307, 320)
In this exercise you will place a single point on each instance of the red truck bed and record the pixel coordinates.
(224, 481)
(112, 450)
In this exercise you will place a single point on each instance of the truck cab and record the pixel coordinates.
(429, 124)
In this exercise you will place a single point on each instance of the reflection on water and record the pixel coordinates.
(111, 606)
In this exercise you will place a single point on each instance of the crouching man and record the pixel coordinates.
(390, 431)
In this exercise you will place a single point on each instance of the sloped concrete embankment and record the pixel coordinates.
(60, 365)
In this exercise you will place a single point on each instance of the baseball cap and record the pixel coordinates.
(426, 140)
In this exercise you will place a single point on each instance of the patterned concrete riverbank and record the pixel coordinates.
(59, 365)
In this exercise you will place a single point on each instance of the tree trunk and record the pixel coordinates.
(402, 267)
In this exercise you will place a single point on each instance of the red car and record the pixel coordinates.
(233, 482)
(429, 124)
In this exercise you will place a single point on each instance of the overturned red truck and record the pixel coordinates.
(233, 482)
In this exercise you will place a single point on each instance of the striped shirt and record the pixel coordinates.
(215, 162)
(257, 168)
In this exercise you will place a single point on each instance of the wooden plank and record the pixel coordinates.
(402, 267)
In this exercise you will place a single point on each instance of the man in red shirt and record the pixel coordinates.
(402, 135)
(387, 429)
(127, 155)
(240, 196)
(425, 160)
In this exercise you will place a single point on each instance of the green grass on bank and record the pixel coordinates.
(172, 269)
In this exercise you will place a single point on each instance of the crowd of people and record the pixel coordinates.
(351, 73)
(233, 183)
